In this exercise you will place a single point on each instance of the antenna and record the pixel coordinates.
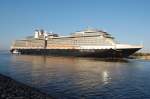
(88, 28)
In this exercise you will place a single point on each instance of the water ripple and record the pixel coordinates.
(81, 78)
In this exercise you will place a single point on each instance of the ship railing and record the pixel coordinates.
(97, 47)
(27, 47)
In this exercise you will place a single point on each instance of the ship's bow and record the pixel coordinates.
(125, 50)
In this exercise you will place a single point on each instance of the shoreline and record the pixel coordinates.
(12, 89)
(145, 56)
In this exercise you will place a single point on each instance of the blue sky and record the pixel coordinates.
(127, 20)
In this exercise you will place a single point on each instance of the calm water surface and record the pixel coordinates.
(80, 78)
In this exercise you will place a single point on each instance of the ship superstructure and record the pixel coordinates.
(89, 42)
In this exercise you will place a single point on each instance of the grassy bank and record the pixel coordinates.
(11, 89)
(142, 56)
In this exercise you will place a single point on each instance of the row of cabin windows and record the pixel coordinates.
(72, 41)
(27, 44)
(82, 43)
(87, 41)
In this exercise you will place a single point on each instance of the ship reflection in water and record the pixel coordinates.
(86, 78)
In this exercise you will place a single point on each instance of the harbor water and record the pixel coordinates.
(80, 78)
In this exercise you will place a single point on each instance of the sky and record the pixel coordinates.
(126, 20)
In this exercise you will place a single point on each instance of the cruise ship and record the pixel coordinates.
(86, 43)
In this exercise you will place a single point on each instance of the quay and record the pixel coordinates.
(11, 89)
